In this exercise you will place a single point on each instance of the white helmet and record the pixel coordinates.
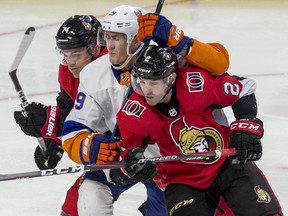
(123, 19)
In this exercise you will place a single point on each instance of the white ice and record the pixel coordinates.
(255, 32)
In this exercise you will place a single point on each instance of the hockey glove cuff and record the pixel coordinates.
(99, 149)
(50, 127)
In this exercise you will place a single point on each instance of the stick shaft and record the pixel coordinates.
(118, 164)
(22, 49)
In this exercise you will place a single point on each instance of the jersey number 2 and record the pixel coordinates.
(230, 88)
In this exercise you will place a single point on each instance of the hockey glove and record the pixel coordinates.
(246, 138)
(55, 153)
(159, 29)
(139, 171)
(39, 121)
(99, 149)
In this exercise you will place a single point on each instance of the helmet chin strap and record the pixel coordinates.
(130, 56)
(167, 92)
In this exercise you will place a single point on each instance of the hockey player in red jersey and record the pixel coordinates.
(78, 45)
(179, 116)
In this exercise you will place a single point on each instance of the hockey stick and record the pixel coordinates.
(23, 47)
(119, 164)
(130, 89)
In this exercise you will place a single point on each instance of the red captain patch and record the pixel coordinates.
(132, 107)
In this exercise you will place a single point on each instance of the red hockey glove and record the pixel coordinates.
(39, 121)
(139, 171)
(99, 148)
(159, 29)
(246, 138)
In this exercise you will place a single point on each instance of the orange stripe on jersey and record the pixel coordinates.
(212, 57)
(72, 146)
(125, 78)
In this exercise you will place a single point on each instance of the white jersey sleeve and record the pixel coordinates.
(99, 98)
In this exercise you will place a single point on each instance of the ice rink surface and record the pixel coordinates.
(255, 32)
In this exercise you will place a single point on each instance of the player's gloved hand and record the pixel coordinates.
(246, 137)
(159, 29)
(54, 151)
(39, 121)
(99, 148)
(32, 122)
(139, 171)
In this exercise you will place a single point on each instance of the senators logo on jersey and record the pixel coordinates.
(195, 82)
(191, 139)
(132, 107)
(263, 196)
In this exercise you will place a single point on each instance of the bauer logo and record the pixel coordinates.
(133, 108)
(51, 122)
(194, 82)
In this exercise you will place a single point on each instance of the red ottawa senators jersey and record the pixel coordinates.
(67, 81)
(190, 127)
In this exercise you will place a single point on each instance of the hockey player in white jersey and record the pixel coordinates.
(103, 85)
(100, 95)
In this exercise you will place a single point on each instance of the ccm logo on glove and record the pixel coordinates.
(248, 126)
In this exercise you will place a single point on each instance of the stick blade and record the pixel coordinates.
(30, 31)
(23, 47)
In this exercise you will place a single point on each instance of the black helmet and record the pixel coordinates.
(78, 31)
(155, 63)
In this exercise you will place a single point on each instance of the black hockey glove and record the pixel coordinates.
(54, 151)
(32, 122)
(139, 171)
(246, 138)
(39, 121)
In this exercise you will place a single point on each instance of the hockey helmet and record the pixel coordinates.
(78, 31)
(154, 63)
(123, 19)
